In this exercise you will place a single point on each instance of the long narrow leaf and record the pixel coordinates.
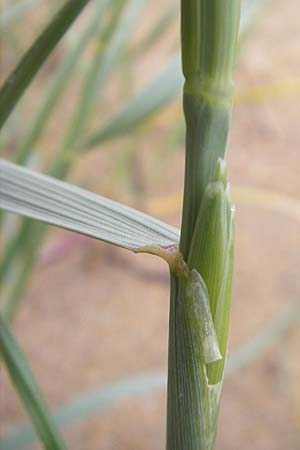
(160, 27)
(113, 42)
(25, 385)
(37, 54)
(120, 40)
(56, 88)
(151, 99)
(46, 199)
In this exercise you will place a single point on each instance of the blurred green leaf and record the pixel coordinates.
(90, 404)
(155, 34)
(54, 92)
(34, 58)
(274, 330)
(28, 391)
(157, 94)
(112, 42)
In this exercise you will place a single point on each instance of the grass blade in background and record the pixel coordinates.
(28, 391)
(113, 41)
(160, 27)
(90, 404)
(120, 41)
(151, 99)
(34, 58)
(43, 198)
(273, 331)
(55, 91)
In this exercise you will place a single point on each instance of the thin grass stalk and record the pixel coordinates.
(112, 41)
(55, 91)
(34, 58)
(28, 391)
(209, 43)
(14, 282)
(160, 27)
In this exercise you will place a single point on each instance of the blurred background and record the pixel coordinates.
(93, 319)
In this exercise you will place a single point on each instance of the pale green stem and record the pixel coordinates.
(209, 43)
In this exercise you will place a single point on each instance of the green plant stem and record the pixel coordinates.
(189, 421)
(208, 55)
(14, 285)
(209, 31)
(22, 75)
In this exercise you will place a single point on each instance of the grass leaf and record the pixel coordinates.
(46, 199)
(55, 91)
(28, 391)
(151, 99)
(37, 54)
(89, 404)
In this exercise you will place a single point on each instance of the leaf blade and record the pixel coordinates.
(54, 92)
(43, 198)
(29, 392)
(33, 59)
